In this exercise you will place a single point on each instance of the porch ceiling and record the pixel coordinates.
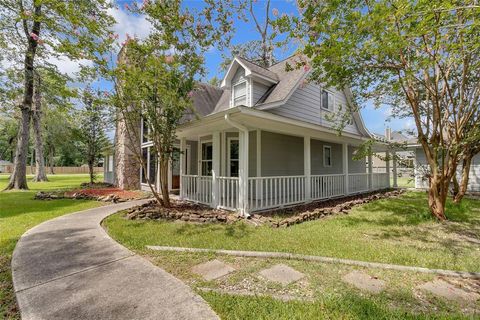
(256, 119)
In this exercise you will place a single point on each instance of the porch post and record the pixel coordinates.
(370, 172)
(183, 148)
(387, 167)
(243, 171)
(215, 167)
(345, 166)
(395, 184)
(307, 168)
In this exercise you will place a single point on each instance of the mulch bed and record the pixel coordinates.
(191, 212)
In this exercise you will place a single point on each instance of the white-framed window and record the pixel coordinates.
(327, 156)
(326, 100)
(239, 94)
(207, 158)
(233, 156)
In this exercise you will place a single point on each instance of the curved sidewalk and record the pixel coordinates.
(69, 268)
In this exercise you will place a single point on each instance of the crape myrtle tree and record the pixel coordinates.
(155, 78)
(419, 57)
(33, 32)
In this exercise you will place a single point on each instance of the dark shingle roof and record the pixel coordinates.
(205, 98)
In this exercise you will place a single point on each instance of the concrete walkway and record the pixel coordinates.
(69, 268)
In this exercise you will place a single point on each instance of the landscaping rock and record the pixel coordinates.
(281, 273)
(212, 270)
(364, 282)
(448, 291)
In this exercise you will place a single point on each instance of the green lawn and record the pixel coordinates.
(18, 213)
(397, 231)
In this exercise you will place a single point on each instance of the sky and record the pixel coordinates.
(376, 119)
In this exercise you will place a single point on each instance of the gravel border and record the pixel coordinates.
(294, 256)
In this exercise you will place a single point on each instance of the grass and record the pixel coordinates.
(18, 213)
(398, 231)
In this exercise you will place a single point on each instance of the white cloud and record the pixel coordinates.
(69, 67)
(409, 124)
(134, 25)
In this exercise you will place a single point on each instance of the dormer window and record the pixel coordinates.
(327, 100)
(240, 94)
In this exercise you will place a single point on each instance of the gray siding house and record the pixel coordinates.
(266, 139)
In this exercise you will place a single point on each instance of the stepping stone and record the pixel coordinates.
(212, 269)
(364, 282)
(281, 273)
(448, 291)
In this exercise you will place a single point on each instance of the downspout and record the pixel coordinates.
(245, 131)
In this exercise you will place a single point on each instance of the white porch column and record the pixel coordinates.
(395, 184)
(345, 166)
(307, 168)
(243, 171)
(183, 149)
(370, 172)
(215, 167)
(387, 167)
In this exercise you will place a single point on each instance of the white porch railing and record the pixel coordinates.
(380, 181)
(197, 188)
(228, 190)
(271, 192)
(327, 186)
(357, 182)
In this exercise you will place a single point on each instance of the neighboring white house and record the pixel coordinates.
(265, 139)
(422, 169)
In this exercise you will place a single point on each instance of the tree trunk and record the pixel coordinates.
(462, 187)
(91, 172)
(50, 160)
(437, 197)
(18, 179)
(164, 181)
(40, 173)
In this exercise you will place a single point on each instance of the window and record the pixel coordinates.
(233, 157)
(207, 156)
(144, 164)
(327, 156)
(327, 100)
(144, 130)
(240, 94)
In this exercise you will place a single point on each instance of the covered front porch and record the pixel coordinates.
(249, 160)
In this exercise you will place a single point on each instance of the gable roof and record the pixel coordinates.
(255, 68)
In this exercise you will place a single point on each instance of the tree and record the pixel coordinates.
(419, 57)
(41, 30)
(258, 51)
(155, 78)
(93, 121)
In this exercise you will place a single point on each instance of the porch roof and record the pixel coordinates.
(256, 119)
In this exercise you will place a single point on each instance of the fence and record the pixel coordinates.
(57, 170)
